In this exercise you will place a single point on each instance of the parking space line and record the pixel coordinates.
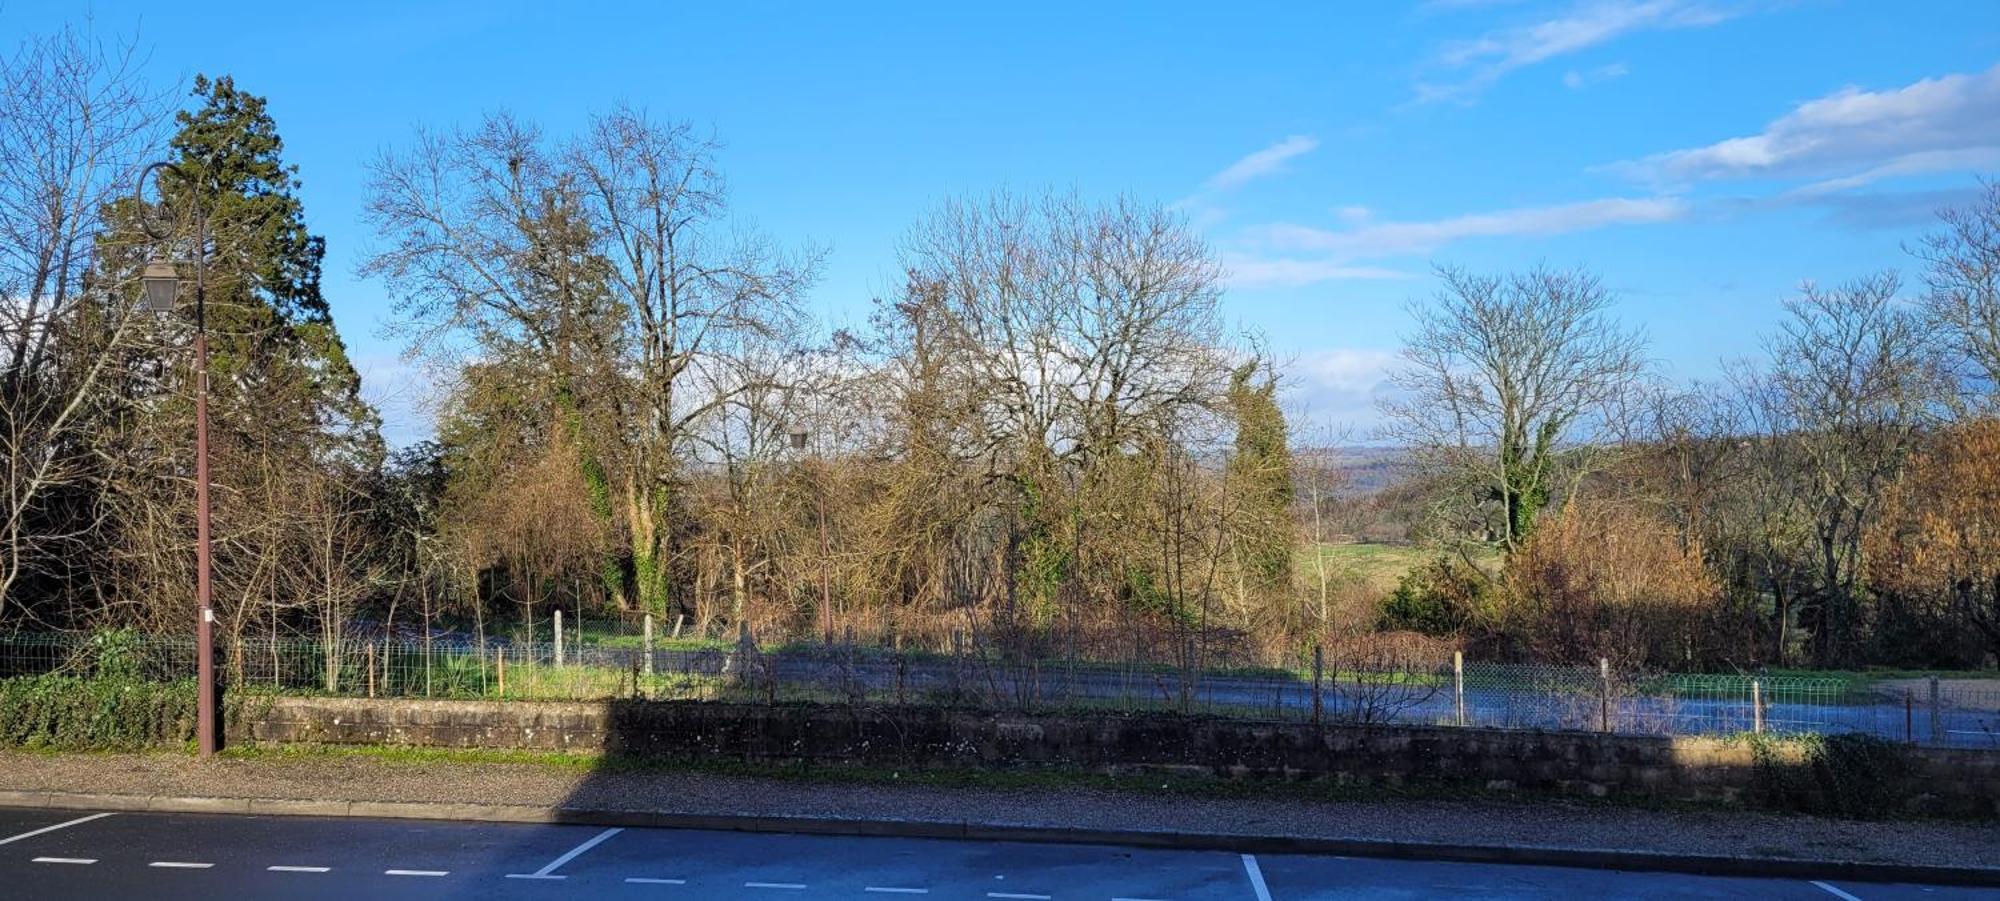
(897, 891)
(75, 860)
(16, 838)
(285, 869)
(571, 854)
(788, 886)
(1135, 899)
(416, 872)
(648, 880)
(1017, 895)
(1256, 877)
(1837, 893)
(179, 865)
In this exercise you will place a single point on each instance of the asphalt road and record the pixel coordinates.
(76, 854)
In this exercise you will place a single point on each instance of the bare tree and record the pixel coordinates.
(75, 119)
(1962, 278)
(1508, 387)
(1855, 378)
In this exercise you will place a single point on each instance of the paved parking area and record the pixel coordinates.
(77, 854)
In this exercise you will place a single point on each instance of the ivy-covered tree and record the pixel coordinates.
(1259, 473)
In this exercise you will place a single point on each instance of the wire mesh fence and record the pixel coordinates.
(1345, 688)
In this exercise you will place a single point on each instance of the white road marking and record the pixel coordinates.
(286, 869)
(179, 865)
(645, 880)
(897, 891)
(1022, 897)
(793, 886)
(553, 865)
(416, 872)
(1256, 877)
(82, 860)
(16, 838)
(1837, 893)
(1134, 899)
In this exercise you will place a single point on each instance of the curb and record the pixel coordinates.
(1533, 855)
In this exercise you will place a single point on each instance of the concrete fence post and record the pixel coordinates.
(1319, 671)
(559, 639)
(1458, 687)
(647, 648)
(1603, 694)
(1757, 706)
(1937, 708)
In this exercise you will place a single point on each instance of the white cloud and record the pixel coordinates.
(1339, 384)
(1484, 60)
(1388, 239)
(1354, 215)
(1254, 272)
(1854, 136)
(1577, 80)
(1264, 162)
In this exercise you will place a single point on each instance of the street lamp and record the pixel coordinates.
(162, 283)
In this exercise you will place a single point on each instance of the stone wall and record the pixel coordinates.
(1784, 773)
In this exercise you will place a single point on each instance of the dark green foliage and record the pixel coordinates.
(71, 713)
(1442, 597)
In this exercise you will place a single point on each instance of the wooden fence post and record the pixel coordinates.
(649, 646)
(1937, 722)
(371, 669)
(559, 639)
(1319, 674)
(1458, 687)
(1603, 694)
(500, 669)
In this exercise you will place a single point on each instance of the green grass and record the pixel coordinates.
(1381, 566)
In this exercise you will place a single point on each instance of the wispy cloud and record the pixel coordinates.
(1377, 240)
(1576, 79)
(1852, 137)
(1245, 271)
(1476, 64)
(1264, 162)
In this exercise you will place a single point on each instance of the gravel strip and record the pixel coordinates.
(1543, 824)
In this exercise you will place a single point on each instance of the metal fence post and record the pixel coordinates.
(1757, 706)
(559, 640)
(1603, 694)
(1458, 687)
(1937, 722)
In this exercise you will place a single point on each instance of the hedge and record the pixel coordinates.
(73, 713)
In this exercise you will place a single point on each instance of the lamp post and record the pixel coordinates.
(162, 283)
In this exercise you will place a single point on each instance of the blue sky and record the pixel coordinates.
(1705, 156)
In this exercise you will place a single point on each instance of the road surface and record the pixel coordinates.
(79, 854)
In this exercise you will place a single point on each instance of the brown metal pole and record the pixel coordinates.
(207, 723)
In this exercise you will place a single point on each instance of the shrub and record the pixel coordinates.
(1441, 598)
(1847, 775)
(72, 713)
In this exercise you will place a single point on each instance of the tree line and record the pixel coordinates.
(1049, 437)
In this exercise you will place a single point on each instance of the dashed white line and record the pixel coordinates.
(75, 860)
(1017, 895)
(1837, 893)
(547, 871)
(179, 865)
(647, 880)
(16, 838)
(416, 872)
(891, 890)
(789, 886)
(1256, 877)
(285, 869)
